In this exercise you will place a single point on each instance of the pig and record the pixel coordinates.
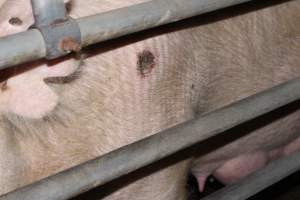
(58, 114)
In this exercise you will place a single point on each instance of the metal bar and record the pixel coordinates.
(47, 11)
(99, 171)
(144, 16)
(61, 33)
(20, 48)
(114, 24)
(260, 180)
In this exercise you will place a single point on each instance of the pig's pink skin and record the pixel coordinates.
(201, 179)
(111, 105)
(292, 147)
(241, 166)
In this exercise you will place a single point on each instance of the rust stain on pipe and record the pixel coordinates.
(69, 44)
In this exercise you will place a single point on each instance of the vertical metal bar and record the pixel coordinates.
(47, 11)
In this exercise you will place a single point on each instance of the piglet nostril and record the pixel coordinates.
(15, 21)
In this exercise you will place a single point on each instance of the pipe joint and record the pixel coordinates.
(61, 33)
(61, 37)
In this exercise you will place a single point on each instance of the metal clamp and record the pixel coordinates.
(61, 33)
(61, 37)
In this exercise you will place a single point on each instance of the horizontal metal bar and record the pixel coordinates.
(260, 180)
(110, 25)
(20, 48)
(99, 171)
(143, 16)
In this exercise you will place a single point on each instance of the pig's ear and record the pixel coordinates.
(28, 95)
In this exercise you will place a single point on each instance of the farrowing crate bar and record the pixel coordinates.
(106, 26)
(61, 33)
(103, 27)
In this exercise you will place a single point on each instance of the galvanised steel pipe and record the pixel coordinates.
(108, 25)
(260, 180)
(143, 16)
(99, 171)
(47, 11)
(20, 48)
